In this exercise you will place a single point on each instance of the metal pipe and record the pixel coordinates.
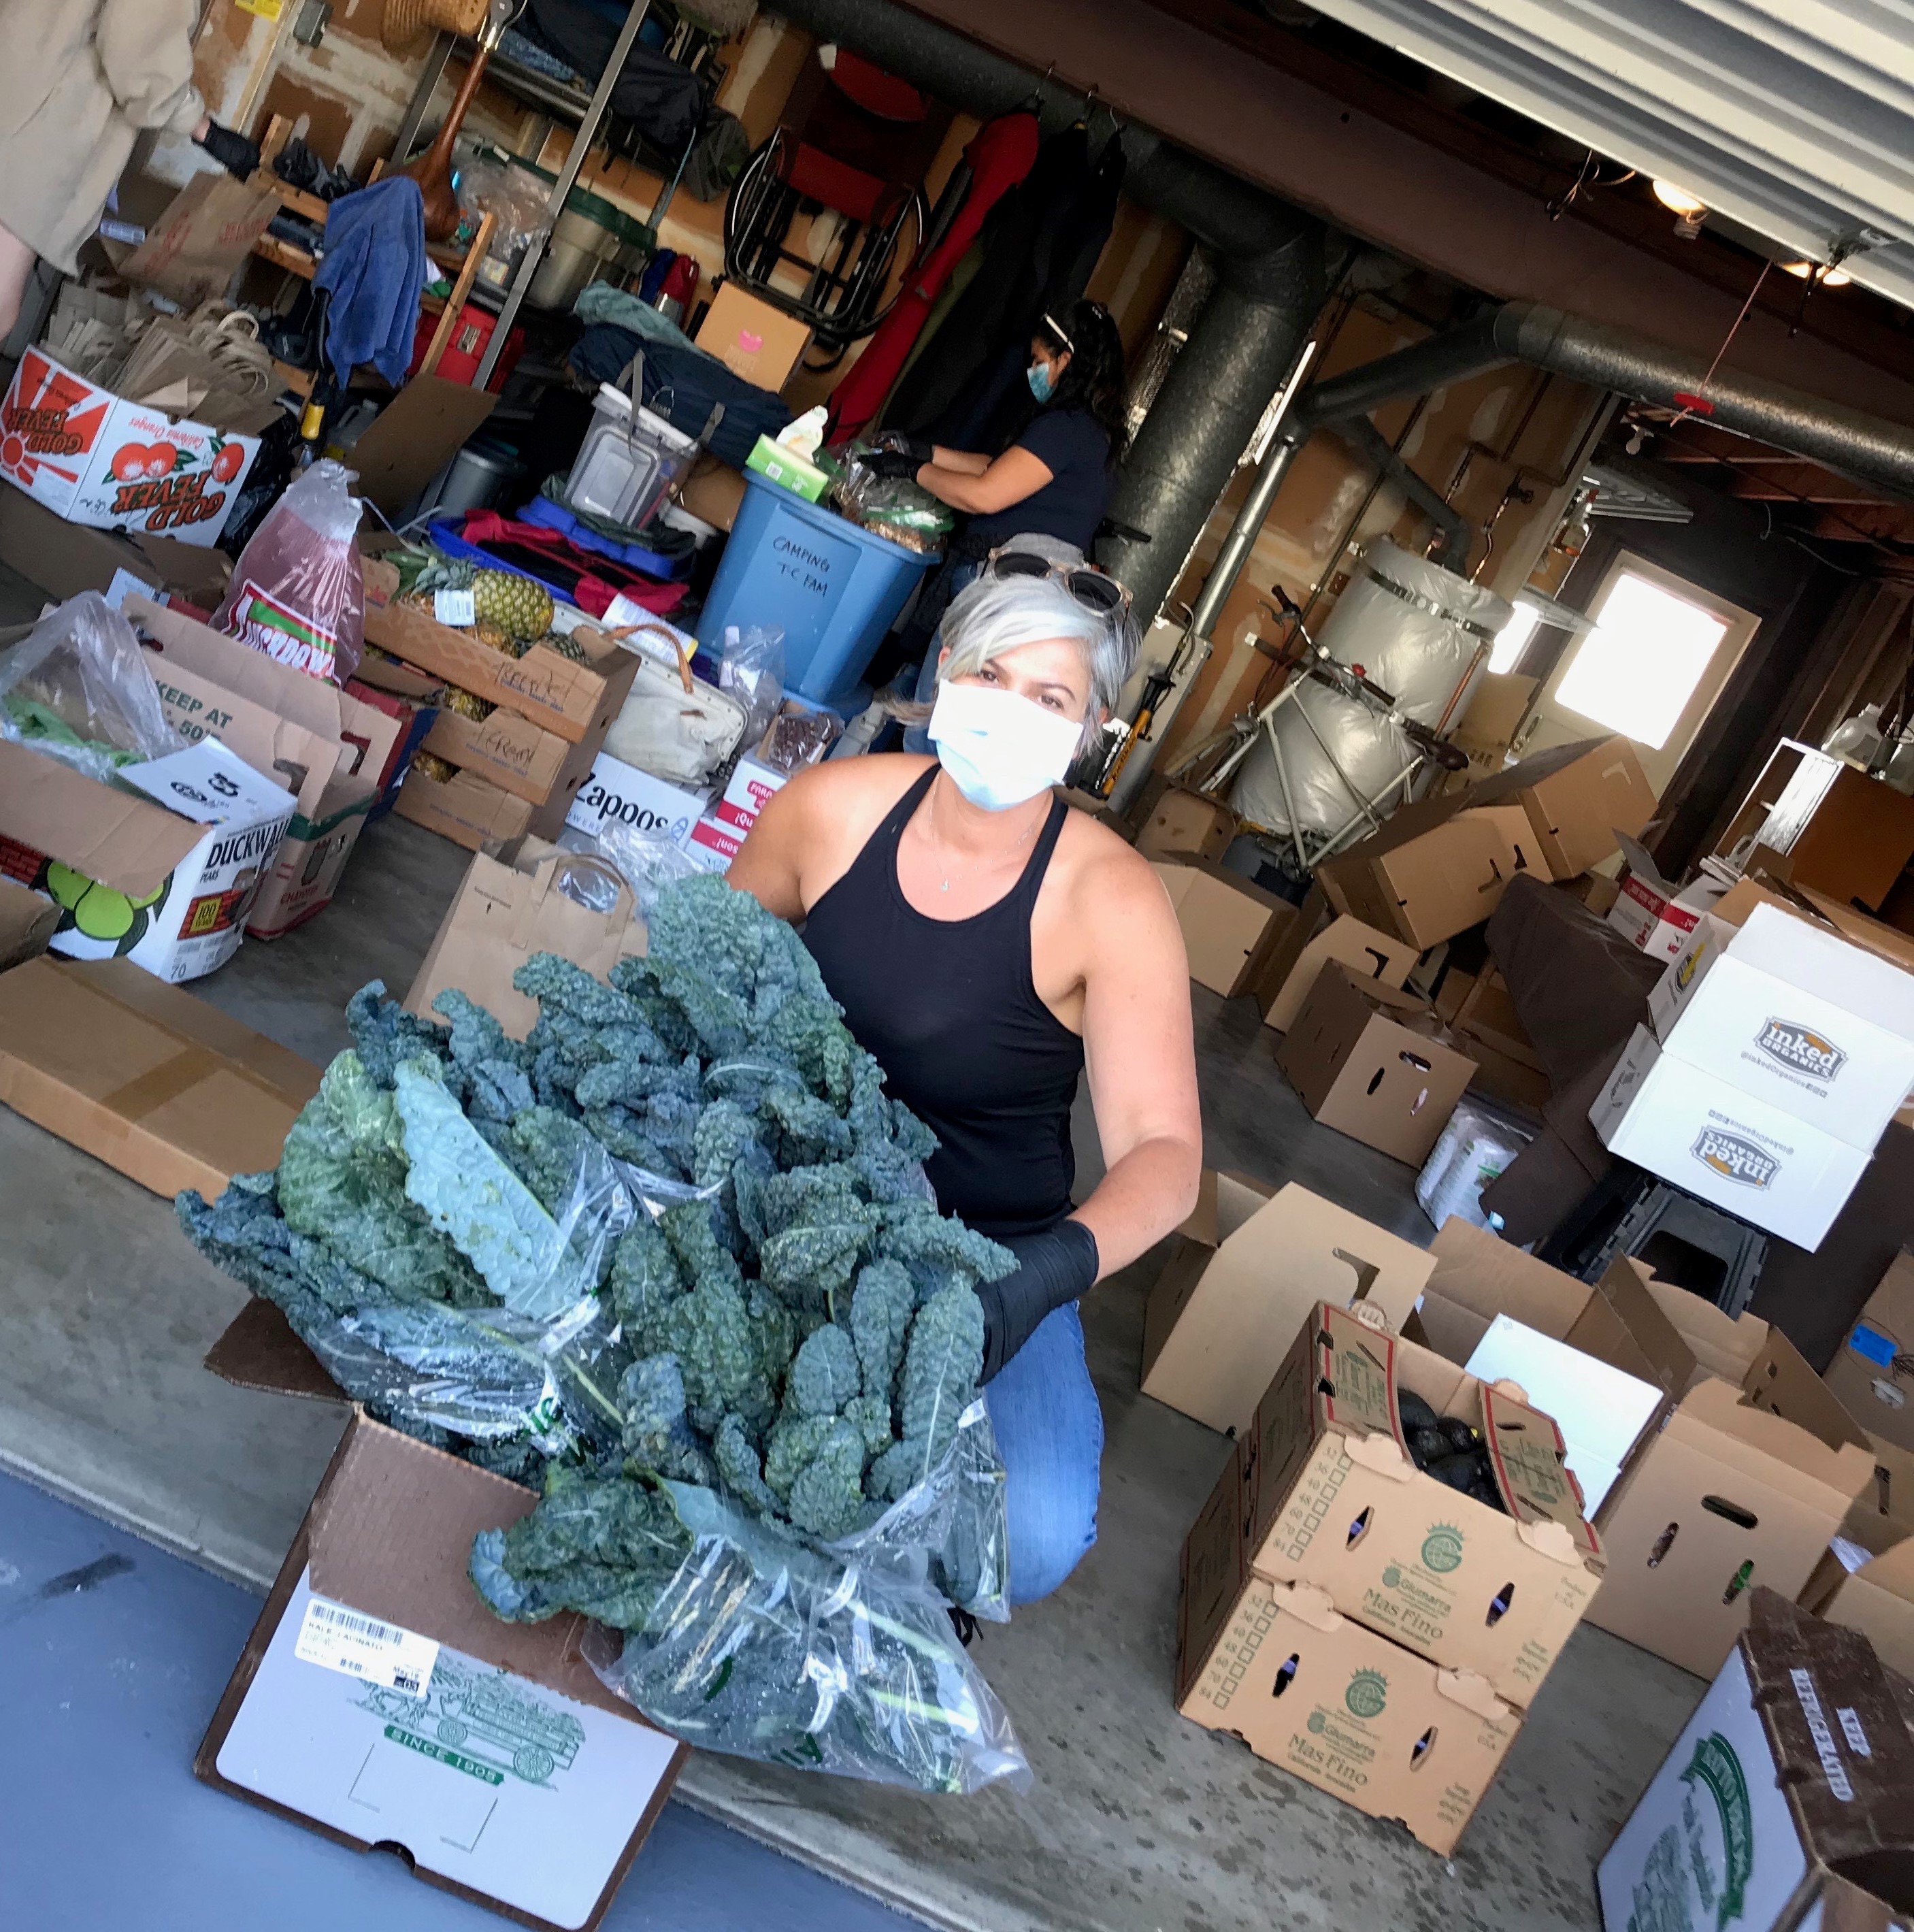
(1458, 532)
(1868, 448)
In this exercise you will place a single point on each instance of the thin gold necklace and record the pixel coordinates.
(1009, 852)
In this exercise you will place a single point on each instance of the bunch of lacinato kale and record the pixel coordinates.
(672, 1259)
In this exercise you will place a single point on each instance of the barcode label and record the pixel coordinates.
(338, 1638)
(454, 607)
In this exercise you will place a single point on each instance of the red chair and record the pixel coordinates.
(856, 142)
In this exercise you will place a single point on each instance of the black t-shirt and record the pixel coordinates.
(1074, 448)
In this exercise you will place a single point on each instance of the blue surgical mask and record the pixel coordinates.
(1042, 384)
(999, 749)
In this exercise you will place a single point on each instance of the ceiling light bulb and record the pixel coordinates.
(1829, 278)
(1678, 200)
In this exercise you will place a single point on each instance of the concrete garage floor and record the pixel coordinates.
(1135, 1819)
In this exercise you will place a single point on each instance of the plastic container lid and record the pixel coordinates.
(616, 402)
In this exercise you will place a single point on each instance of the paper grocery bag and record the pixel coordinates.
(208, 230)
(549, 902)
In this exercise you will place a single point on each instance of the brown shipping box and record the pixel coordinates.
(752, 339)
(1786, 1804)
(1432, 870)
(513, 754)
(1229, 924)
(1838, 831)
(152, 1081)
(469, 810)
(488, 1753)
(1753, 1471)
(1482, 1018)
(63, 559)
(579, 702)
(27, 921)
(1373, 1062)
(1872, 1374)
(1877, 1600)
(504, 912)
(1186, 822)
(1336, 1501)
(1246, 1269)
(1316, 934)
(1318, 1695)
(213, 685)
(1577, 797)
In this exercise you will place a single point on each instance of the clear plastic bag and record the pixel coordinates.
(649, 861)
(298, 591)
(895, 507)
(78, 689)
(839, 1658)
(797, 739)
(752, 669)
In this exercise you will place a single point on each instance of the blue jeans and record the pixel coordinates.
(1049, 1428)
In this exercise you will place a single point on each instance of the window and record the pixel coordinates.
(1636, 671)
(1512, 640)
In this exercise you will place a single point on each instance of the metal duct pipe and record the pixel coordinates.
(1376, 449)
(1865, 448)
(1270, 281)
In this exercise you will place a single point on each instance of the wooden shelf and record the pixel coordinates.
(284, 255)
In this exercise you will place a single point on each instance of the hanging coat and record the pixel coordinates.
(998, 303)
(84, 79)
(1000, 155)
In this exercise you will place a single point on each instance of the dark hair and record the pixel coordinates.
(1094, 381)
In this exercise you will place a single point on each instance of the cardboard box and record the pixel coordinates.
(751, 785)
(508, 909)
(413, 717)
(1490, 1306)
(578, 702)
(1796, 1765)
(1753, 1159)
(1882, 1516)
(327, 746)
(1792, 1013)
(1186, 822)
(616, 792)
(1877, 1599)
(712, 492)
(1336, 1501)
(63, 559)
(169, 886)
(1290, 965)
(380, 1702)
(1872, 1375)
(1310, 1691)
(752, 338)
(1578, 797)
(507, 750)
(152, 1081)
(1655, 917)
(469, 810)
(713, 845)
(1373, 1062)
(1229, 924)
(1496, 708)
(27, 920)
(93, 457)
(1432, 870)
(1244, 1272)
(1835, 829)
(1483, 1022)
(1756, 1468)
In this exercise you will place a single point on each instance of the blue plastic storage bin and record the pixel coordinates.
(833, 587)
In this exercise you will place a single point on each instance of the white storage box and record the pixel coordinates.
(1795, 1015)
(1749, 1158)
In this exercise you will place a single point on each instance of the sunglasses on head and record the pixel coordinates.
(1095, 589)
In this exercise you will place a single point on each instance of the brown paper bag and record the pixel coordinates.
(208, 230)
(505, 913)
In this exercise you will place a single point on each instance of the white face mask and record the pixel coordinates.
(1001, 750)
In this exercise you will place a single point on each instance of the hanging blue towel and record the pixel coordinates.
(375, 268)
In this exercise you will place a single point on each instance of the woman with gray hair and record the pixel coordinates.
(990, 947)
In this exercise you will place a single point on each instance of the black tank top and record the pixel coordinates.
(950, 1011)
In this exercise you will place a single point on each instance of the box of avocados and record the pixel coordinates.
(1482, 1562)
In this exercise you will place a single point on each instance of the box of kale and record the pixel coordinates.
(380, 1702)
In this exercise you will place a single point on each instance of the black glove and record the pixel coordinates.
(236, 154)
(920, 451)
(1057, 1266)
(897, 463)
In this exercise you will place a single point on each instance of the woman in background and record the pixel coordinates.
(84, 79)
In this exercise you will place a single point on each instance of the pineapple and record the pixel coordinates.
(517, 606)
(428, 764)
(466, 705)
(566, 646)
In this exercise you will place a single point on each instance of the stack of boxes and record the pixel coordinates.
(1779, 1054)
(520, 768)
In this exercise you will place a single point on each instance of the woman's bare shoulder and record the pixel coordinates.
(1109, 879)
